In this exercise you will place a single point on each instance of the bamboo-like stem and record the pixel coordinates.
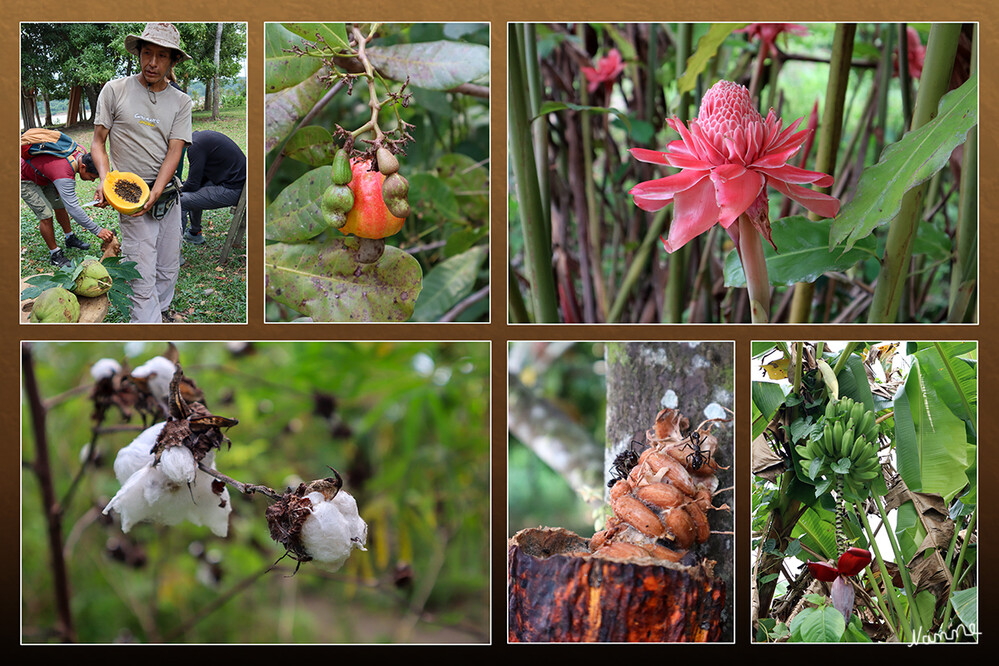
(674, 297)
(940, 51)
(830, 134)
(539, 126)
(537, 244)
(965, 269)
(589, 227)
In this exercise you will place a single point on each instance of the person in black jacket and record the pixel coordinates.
(216, 172)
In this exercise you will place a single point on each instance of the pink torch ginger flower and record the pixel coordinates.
(606, 72)
(767, 32)
(850, 563)
(727, 158)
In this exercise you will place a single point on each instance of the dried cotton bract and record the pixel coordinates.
(169, 492)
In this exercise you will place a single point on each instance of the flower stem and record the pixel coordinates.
(754, 265)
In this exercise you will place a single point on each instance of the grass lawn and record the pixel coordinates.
(206, 292)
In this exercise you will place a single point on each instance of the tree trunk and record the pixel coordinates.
(560, 593)
(27, 110)
(642, 379)
(566, 588)
(216, 97)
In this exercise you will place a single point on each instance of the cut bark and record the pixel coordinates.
(559, 592)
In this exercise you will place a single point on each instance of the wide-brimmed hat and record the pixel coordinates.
(161, 34)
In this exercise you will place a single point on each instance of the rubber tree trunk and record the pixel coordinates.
(559, 591)
(644, 377)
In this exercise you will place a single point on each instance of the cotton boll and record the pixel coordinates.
(158, 371)
(104, 368)
(170, 492)
(138, 454)
(178, 463)
(333, 530)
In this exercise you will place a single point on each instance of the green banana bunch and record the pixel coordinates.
(850, 433)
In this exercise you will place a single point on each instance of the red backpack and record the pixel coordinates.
(38, 141)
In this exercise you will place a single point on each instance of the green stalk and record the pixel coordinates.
(940, 51)
(678, 261)
(537, 241)
(904, 621)
(844, 355)
(539, 127)
(754, 265)
(965, 268)
(637, 267)
(589, 185)
(879, 595)
(829, 137)
(518, 311)
(910, 590)
(958, 565)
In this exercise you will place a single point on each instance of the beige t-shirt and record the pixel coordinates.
(141, 130)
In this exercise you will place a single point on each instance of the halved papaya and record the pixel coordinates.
(125, 191)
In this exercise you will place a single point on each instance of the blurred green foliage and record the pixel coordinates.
(405, 424)
(573, 379)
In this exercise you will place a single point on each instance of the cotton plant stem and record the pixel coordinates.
(965, 269)
(537, 242)
(940, 51)
(830, 133)
(754, 265)
(245, 488)
(53, 512)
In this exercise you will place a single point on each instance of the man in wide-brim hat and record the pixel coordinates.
(147, 124)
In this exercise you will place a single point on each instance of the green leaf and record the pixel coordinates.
(285, 108)
(282, 69)
(905, 164)
(824, 624)
(802, 254)
(432, 198)
(552, 107)
(931, 443)
(965, 603)
(767, 397)
(707, 48)
(311, 144)
(334, 34)
(439, 65)
(323, 279)
(295, 216)
(447, 283)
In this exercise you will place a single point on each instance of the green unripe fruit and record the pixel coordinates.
(93, 280)
(341, 168)
(388, 163)
(336, 203)
(55, 305)
(395, 189)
